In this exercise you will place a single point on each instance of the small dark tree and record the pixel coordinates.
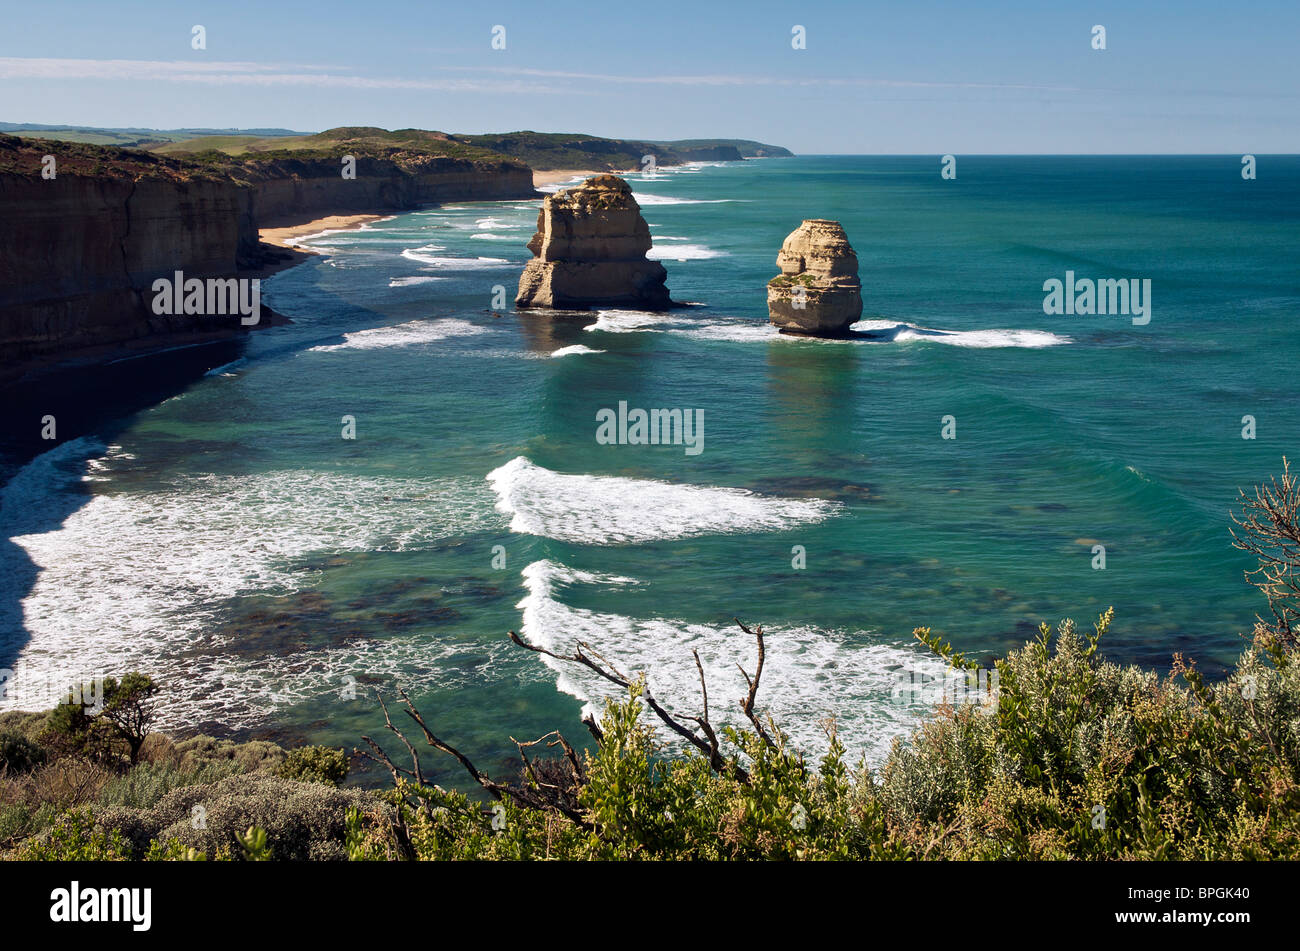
(129, 707)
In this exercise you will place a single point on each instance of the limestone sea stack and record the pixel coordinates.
(817, 292)
(589, 251)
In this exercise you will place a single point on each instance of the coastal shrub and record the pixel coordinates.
(1074, 758)
(107, 720)
(18, 754)
(314, 764)
(67, 782)
(251, 756)
(74, 837)
(302, 820)
(143, 786)
(15, 823)
(22, 723)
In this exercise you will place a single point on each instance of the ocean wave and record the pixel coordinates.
(630, 321)
(683, 252)
(453, 263)
(733, 331)
(405, 335)
(614, 510)
(412, 281)
(899, 332)
(572, 349)
(136, 580)
(865, 331)
(645, 199)
(809, 673)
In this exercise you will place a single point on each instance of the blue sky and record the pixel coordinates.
(907, 77)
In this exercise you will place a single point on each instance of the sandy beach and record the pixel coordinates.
(281, 237)
(560, 175)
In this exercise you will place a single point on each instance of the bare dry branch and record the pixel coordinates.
(747, 705)
(1269, 526)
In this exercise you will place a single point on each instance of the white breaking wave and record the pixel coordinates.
(983, 339)
(135, 580)
(405, 335)
(629, 321)
(808, 674)
(572, 349)
(875, 331)
(451, 263)
(734, 331)
(613, 510)
(683, 252)
(644, 199)
(412, 281)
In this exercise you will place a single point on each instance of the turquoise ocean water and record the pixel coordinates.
(229, 540)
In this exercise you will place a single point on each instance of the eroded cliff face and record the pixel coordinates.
(79, 254)
(817, 292)
(290, 191)
(589, 251)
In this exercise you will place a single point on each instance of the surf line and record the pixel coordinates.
(655, 427)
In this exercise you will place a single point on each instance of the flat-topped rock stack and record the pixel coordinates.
(589, 251)
(817, 292)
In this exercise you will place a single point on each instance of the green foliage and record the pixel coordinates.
(75, 838)
(103, 720)
(788, 280)
(315, 764)
(253, 842)
(1080, 758)
(173, 850)
(1072, 758)
(129, 707)
(249, 757)
(143, 786)
(302, 821)
(18, 754)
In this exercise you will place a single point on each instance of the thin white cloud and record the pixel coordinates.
(713, 79)
(239, 73)
(260, 74)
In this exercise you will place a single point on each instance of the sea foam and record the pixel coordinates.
(134, 580)
(809, 673)
(573, 349)
(614, 510)
(409, 334)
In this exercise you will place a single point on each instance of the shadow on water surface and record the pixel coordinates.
(97, 401)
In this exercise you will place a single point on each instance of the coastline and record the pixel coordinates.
(555, 176)
(289, 236)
